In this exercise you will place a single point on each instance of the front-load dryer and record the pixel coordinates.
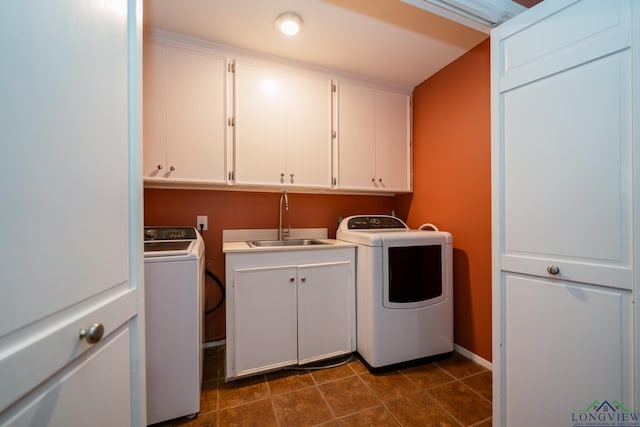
(404, 292)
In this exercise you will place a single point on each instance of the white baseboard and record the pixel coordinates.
(469, 355)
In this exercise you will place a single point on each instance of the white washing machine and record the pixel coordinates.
(174, 321)
(404, 293)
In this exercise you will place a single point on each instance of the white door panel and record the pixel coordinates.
(573, 136)
(66, 400)
(567, 345)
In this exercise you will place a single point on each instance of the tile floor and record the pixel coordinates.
(450, 392)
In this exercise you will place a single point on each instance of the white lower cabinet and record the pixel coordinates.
(289, 307)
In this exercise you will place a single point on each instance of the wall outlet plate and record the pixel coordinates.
(201, 220)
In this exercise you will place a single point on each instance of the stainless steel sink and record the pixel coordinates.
(290, 242)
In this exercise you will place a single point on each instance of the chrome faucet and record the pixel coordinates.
(282, 234)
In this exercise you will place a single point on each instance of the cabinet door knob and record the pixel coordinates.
(303, 279)
(171, 168)
(291, 178)
(553, 269)
(159, 167)
(373, 180)
(93, 334)
(292, 279)
(282, 177)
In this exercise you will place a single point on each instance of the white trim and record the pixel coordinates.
(211, 344)
(474, 357)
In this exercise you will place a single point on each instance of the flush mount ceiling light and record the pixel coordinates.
(289, 23)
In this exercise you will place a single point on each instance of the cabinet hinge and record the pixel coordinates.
(231, 67)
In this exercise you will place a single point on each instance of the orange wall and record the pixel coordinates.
(233, 210)
(452, 188)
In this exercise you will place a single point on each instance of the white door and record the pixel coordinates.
(264, 319)
(70, 191)
(356, 136)
(563, 222)
(393, 158)
(325, 306)
(282, 127)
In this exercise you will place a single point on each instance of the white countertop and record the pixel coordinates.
(236, 240)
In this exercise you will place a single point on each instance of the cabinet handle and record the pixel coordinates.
(292, 279)
(159, 167)
(171, 168)
(553, 269)
(303, 279)
(93, 334)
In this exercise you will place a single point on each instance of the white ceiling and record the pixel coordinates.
(387, 41)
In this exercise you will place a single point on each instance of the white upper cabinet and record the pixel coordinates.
(282, 127)
(373, 133)
(185, 117)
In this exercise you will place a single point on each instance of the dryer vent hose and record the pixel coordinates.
(428, 225)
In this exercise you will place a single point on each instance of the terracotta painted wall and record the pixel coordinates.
(452, 188)
(233, 210)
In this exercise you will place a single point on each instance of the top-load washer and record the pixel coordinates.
(174, 321)
(404, 293)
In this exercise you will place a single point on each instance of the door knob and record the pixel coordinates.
(93, 334)
(553, 269)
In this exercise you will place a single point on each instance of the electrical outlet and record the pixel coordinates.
(201, 220)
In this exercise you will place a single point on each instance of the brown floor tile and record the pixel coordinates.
(481, 383)
(209, 397)
(420, 410)
(485, 423)
(286, 381)
(348, 396)
(374, 417)
(389, 386)
(461, 402)
(427, 376)
(242, 391)
(259, 414)
(332, 374)
(459, 366)
(299, 408)
(357, 366)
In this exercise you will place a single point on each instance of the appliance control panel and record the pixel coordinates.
(169, 233)
(377, 222)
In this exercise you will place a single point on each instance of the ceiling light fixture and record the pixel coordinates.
(289, 23)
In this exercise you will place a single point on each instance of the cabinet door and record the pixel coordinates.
(373, 139)
(264, 319)
(184, 113)
(154, 109)
(562, 146)
(393, 158)
(568, 344)
(325, 308)
(356, 137)
(282, 127)
(196, 116)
